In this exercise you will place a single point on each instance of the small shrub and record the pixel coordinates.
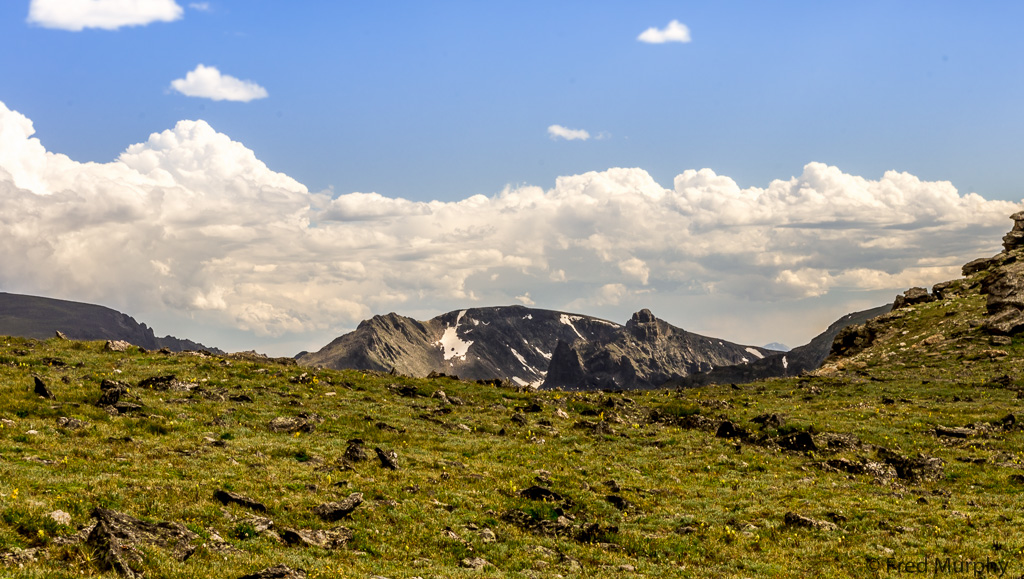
(243, 531)
(679, 409)
(795, 427)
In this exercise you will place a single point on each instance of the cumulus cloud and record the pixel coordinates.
(560, 132)
(76, 15)
(207, 82)
(192, 222)
(676, 31)
(636, 269)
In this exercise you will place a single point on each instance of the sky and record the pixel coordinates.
(262, 175)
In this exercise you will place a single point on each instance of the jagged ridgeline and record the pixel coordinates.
(532, 347)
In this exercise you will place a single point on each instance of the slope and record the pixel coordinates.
(40, 318)
(795, 362)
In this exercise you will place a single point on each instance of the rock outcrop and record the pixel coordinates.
(1004, 286)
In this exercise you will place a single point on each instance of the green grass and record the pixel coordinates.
(701, 506)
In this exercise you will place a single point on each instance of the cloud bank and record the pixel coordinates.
(676, 31)
(76, 15)
(208, 82)
(560, 132)
(192, 222)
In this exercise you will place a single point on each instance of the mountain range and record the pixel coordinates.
(551, 349)
(41, 318)
(529, 347)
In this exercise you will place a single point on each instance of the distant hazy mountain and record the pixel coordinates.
(777, 347)
(530, 347)
(40, 318)
(794, 362)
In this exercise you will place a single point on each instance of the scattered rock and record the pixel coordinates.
(116, 346)
(388, 460)
(19, 557)
(729, 429)
(881, 471)
(325, 539)
(260, 525)
(71, 423)
(60, 517)
(445, 399)
(538, 493)
(60, 335)
(798, 441)
(169, 382)
(561, 527)
(304, 422)
(228, 497)
(769, 420)
(475, 563)
(976, 265)
(618, 502)
(954, 432)
(123, 408)
(335, 511)
(355, 451)
(913, 296)
(405, 391)
(919, 469)
(794, 520)
(112, 392)
(277, 572)
(116, 536)
(303, 378)
(41, 389)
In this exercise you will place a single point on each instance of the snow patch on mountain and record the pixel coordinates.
(451, 344)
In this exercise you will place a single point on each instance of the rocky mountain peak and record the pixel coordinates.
(644, 325)
(644, 316)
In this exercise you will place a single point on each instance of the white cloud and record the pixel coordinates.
(76, 15)
(560, 132)
(635, 268)
(676, 31)
(208, 82)
(525, 299)
(200, 6)
(202, 229)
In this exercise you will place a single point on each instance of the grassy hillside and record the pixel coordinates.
(909, 448)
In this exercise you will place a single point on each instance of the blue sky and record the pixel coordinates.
(438, 102)
(443, 100)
